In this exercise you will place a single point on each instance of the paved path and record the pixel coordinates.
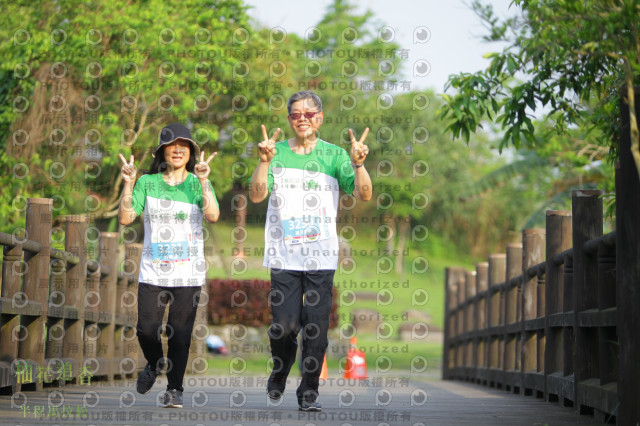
(242, 401)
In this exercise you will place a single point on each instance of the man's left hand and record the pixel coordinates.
(359, 150)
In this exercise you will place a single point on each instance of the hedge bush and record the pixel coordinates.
(247, 302)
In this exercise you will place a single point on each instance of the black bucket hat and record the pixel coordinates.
(172, 133)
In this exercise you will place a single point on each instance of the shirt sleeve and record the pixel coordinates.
(346, 175)
(139, 195)
(270, 177)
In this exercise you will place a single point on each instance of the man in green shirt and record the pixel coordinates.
(304, 175)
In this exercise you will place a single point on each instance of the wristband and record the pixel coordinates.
(355, 166)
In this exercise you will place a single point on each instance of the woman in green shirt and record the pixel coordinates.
(175, 196)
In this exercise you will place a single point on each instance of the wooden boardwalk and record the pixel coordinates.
(387, 400)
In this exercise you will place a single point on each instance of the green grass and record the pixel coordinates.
(383, 357)
(368, 277)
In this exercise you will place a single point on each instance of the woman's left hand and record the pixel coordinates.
(202, 169)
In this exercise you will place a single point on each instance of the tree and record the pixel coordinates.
(399, 162)
(342, 58)
(546, 174)
(359, 85)
(83, 81)
(565, 59)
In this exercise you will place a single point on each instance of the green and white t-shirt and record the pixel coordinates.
(300, 232)
(173, 253)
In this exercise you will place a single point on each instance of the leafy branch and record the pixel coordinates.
(565, 59)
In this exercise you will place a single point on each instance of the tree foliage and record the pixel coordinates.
(83, 81)
(565, 60)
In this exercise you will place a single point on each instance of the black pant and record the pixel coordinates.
(183, 303)
(290, 315)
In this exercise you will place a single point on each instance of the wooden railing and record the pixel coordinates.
(558, 315)
(70, 315)
(541, 326)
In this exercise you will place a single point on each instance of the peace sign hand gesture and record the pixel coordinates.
(128, 170)
(267, 148)
(359, 150)
(202, 169)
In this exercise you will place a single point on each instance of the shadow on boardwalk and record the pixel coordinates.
(242, 401)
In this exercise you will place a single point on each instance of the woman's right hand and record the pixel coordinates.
(267, 148)
(128, 170)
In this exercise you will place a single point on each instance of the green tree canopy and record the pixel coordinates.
(82, 81)
(565, 60)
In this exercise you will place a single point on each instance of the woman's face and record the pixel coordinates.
(305, 127)
(177, 154)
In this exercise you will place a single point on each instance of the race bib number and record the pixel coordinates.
(170, 252)
(305, 229)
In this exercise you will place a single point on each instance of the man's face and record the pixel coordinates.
(304, 126)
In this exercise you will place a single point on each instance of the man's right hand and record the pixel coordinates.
(128, 171)
(267, 148)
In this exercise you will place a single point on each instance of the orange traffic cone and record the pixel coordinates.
(324, 373)
(356, 366)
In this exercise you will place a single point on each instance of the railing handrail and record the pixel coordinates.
(47, 290)
(590, 247)
(502, 329)
(34, 247)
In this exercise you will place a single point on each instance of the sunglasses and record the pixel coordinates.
(308, 115)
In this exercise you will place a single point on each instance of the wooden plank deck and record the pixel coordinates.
(208, 400)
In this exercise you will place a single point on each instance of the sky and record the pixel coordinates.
(444, 33)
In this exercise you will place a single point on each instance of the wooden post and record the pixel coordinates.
(123, 364)
(533, 245)
(471, 324)
(462, 295)
(118, 339)
(9, 322)
(482, 284)
(558, 240)
(91, 316)
(451, 302)
(568, 336)
(606, 301)
(497, 272)
(11, 283)
(461, 359)
(540, 311)
(587, 224)
(75, 243)
(450, 292)
(55, 322)
(511, 356)
(133, 256)
(462, 344)
(108, 291)
(533, 241)
(514, 268)
(628, 270)
(36, 279)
